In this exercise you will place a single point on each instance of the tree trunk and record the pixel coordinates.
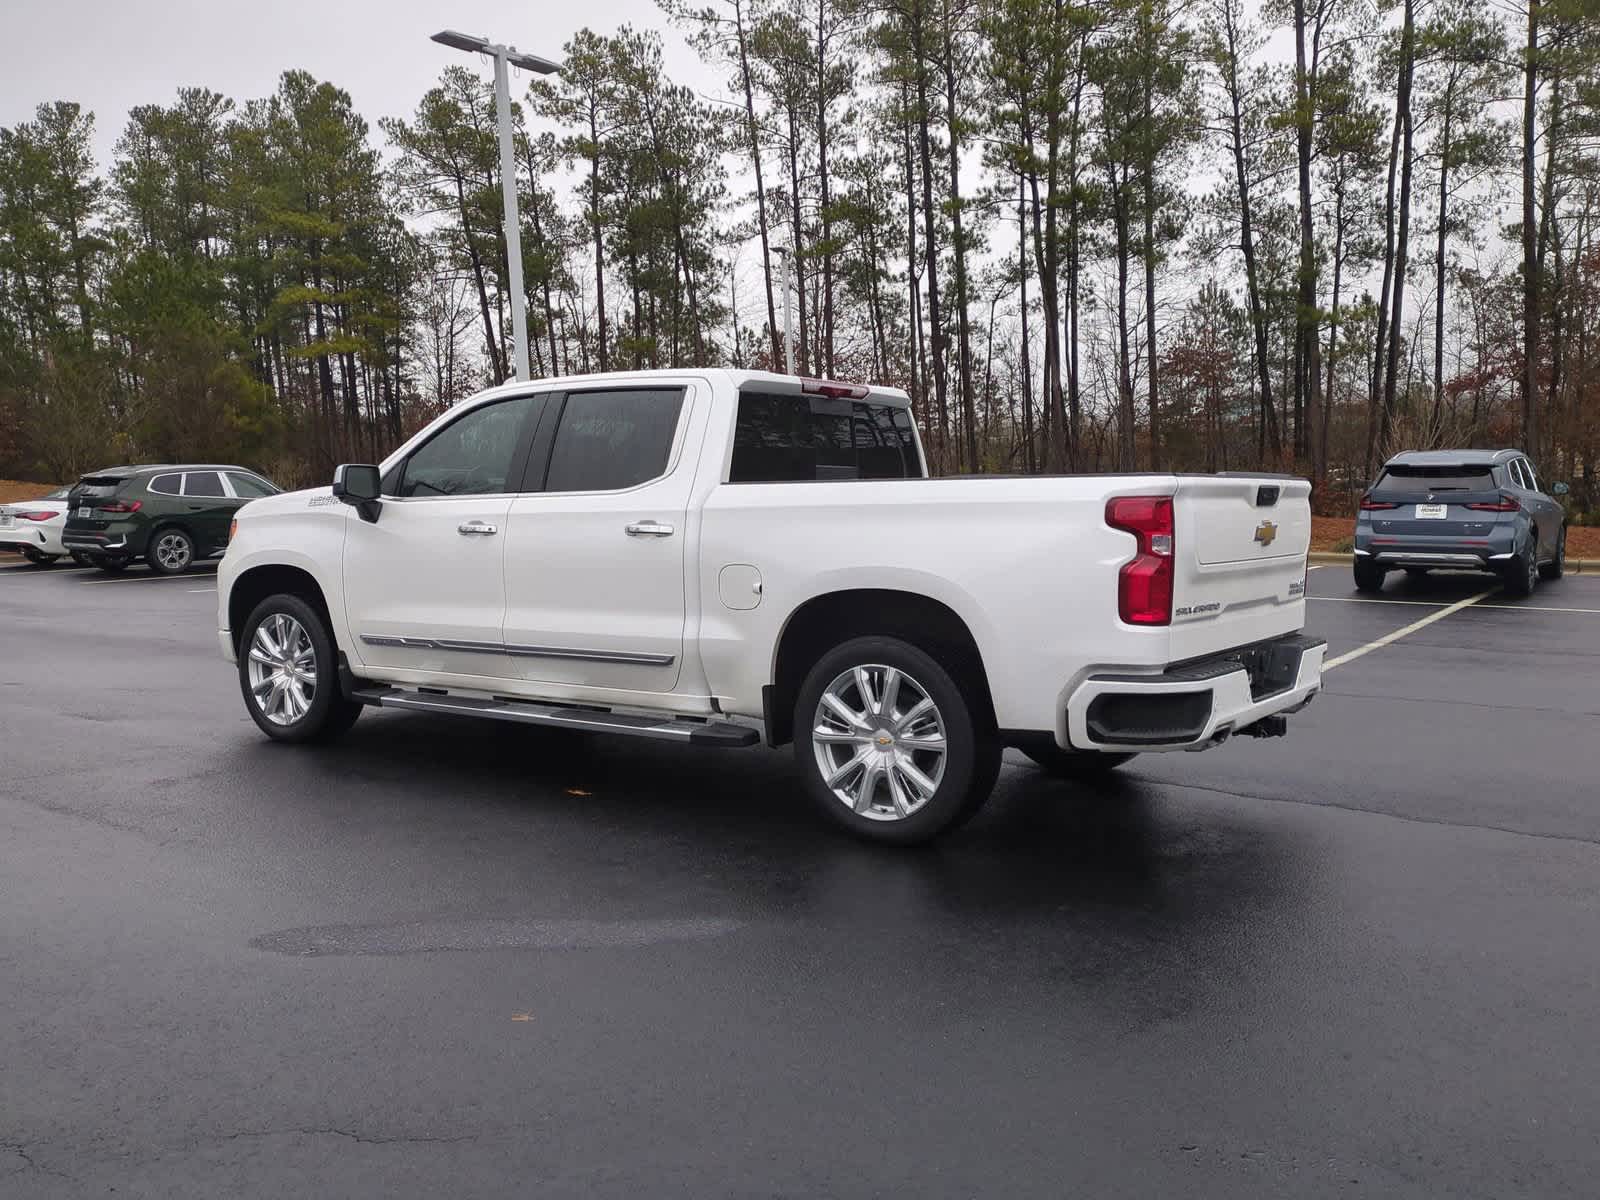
(959, 246)
(1407, 66)
(752, 131)
(930, 241)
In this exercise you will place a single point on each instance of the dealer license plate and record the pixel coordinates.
(1432, 512)
(85, 513)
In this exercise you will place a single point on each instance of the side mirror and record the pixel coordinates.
(1560, 489)
(359, 484)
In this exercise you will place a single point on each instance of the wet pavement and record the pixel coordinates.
(451, 958)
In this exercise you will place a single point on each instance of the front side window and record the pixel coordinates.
(248, 487)
(784, 438)
(610, 440)
(203, 483)
(471, 456)
(166, 485)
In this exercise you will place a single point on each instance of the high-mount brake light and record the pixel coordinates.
(1144, 586)
(1504, 504)
(834, 391)
(1368, 504)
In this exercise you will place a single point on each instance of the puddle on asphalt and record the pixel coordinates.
(424, 937)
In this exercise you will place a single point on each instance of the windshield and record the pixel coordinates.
(1463, 477)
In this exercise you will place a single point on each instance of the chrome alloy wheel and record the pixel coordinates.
(283, 669)
(880, 742)
(173, 551)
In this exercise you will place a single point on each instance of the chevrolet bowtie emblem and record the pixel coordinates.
(1266, 532)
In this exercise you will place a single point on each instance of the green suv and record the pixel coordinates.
(170, 516)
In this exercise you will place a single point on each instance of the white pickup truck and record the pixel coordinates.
(711, 556)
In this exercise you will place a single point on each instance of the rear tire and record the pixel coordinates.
(1522, 571)
(890, 744)
(1417, 572)
(1558, 566)
(1369, 576)
(83, 560)
(289, 673)
(37, 557)
(171, 551)
(112, 566)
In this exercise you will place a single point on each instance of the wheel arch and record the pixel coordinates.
(832, 618)
(254, 585)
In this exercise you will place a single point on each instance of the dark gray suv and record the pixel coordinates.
(1462, 510)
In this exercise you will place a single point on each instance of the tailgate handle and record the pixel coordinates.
(1266, 496)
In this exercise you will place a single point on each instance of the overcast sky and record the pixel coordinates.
(109, 55)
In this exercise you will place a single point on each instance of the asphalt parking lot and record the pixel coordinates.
(450, 958)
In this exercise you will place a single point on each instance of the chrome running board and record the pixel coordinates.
(529, 712)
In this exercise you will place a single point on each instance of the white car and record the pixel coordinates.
(32, 528)
(714, 556)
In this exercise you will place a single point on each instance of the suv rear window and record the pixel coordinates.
(95, 487)
(1465, 477)
(784, 438)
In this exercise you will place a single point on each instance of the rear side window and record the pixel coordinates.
(166, 485)
(785, 438)
(1466, 477)
(203, 483)
(248, 487)
(1527, 473)
(607, 441)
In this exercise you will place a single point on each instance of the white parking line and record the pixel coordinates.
(141, 579)
(210, 589)
(1444, 603)
(1400, 633)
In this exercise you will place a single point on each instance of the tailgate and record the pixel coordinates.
(1241, 561)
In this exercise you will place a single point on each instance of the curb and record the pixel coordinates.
(1575, 566)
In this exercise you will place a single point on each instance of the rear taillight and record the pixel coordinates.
(35, 515)
(122, 506)
(1144, 586)
(1368, 504)
(1504, 504)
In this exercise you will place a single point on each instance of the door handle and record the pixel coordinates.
(480, 528)
(649, 529)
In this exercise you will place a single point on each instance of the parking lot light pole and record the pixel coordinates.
(506, 57)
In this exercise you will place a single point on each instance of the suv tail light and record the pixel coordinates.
(1504, 504)
(1368, 504)
(122, 506)
(1144, 586)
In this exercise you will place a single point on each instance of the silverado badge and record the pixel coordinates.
(1266, 532)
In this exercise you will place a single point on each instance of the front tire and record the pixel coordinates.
(288, 673)
(1369, 576)
(1557, 567)
(1074, 764)
(171, 551)
(891, 746)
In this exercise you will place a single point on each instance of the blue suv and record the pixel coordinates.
(1475, 510)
